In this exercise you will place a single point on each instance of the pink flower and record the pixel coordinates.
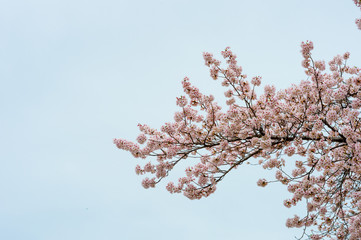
(262, 182)
(141, 138)
(358, 23)
(331, 116)
(256, 81)
(287, 203)
(290, 151)
(306, 48)
(170, 187)
(182, 101)
(138, 170)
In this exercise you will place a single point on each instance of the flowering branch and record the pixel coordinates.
(317, 120)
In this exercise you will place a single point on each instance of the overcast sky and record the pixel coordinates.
(75, 74)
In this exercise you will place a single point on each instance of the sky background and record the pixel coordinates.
(75, 74)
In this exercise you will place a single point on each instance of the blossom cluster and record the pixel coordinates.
(317, 120)
(315, 125)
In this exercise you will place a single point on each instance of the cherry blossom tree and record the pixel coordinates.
(313, 128)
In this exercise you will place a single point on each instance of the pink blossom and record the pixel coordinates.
(256, 81)
(358, 23)
(141, 138)
(262, 182)
(182, 101)
(287, 203)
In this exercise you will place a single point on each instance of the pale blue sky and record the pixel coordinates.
(75, 74)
